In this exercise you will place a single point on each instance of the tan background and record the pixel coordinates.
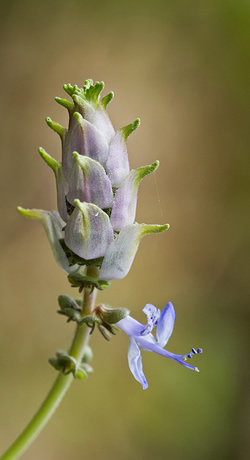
(183, 67)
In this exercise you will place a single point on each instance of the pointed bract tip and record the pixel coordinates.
(41, 150)
(69, 88)
(51, 162)
(59, 129)
(78, 117)
(137, 123)
(88, 83)
(65, 103)
(91, 92)
(75, 154)
(143, 171)
(147, 229)
(32, 213)
(154, 166)
(164, 227)
(128, 129)
(107, 99)
(77, 202)
(21, 210)
(82, 206)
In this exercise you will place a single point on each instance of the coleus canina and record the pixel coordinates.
(96, 190)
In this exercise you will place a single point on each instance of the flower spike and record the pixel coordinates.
(96, 191)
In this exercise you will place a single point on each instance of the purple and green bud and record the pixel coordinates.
(96, 191)
(88, 232)
(89, 182)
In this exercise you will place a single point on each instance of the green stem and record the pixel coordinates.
(59, 388)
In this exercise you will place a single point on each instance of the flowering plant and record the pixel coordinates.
(94, 238)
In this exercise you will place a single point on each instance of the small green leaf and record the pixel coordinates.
(54, 362)
(64, 362)
(66, 301)
(88, 355)
(80, 281)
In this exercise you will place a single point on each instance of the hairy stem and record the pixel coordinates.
(60, 386)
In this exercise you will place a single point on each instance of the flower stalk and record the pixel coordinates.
(61, 385)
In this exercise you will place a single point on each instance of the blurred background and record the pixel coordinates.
(183, 68)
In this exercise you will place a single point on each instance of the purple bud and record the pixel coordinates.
(88, 232)
(89, 182)
(124, 207)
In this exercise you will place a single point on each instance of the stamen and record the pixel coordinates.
(194, 352)
(153, 317)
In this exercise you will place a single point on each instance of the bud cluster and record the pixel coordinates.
(96, 190)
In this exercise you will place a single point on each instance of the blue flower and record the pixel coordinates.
(141, 338)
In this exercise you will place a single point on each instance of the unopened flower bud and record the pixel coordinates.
(83, 230)
(111, 315)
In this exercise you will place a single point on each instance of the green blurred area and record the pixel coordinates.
(183, 67)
